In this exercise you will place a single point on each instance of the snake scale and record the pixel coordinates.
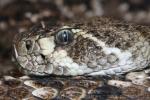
(78, 53)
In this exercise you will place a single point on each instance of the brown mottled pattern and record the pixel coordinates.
(114, 32)
(85, 51)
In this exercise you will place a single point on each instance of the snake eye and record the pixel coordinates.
(64, 37)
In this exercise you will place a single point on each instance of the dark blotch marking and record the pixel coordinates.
(102, 93)
(13, 83)
(18, 93)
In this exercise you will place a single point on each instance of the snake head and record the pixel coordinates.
(47, 53)
(84, 50)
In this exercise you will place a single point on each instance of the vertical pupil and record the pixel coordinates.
(64, 37)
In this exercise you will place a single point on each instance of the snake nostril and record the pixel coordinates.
(43, 57)
(28, 44)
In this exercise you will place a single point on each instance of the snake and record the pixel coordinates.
(99, 46)
(68, 60)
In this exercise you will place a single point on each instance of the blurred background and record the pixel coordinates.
(19, 15)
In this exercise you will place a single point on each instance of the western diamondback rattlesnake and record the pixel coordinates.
(97, 46)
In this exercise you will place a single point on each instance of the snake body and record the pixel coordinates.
(98, 46)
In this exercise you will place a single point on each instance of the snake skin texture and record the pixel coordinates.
(97, 46)
(71, 88)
